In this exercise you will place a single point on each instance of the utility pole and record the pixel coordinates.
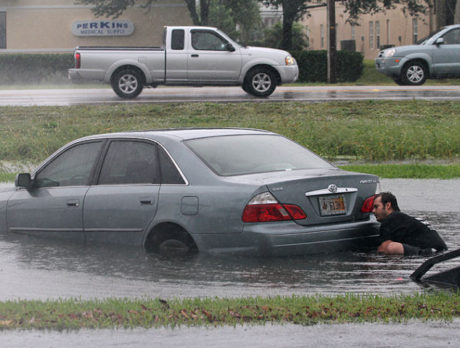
(332, 43)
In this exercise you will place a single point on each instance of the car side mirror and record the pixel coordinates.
(23, 180)
(230, 47)
(439, 41)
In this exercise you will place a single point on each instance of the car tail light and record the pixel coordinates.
(77, 60)
(368, 205)
(264, 208)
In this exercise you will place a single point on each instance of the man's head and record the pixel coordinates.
(384, 204)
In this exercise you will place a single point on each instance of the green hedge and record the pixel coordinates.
(313, 66)
(20, 68)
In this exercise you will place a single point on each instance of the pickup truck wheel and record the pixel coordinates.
(127, 83)
(414, 73)
(260, 82)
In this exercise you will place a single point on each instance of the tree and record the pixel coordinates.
(293, 10)
(273, 37)
(355, 8)
(226, 14)
(238, 18)
(457, 13)
(447, 12)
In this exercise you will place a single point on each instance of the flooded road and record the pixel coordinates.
(37, 268)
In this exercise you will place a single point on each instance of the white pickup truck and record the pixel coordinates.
(190, 56)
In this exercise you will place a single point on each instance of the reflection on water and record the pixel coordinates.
(43, 268)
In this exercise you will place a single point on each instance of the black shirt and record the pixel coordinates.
(402, 228)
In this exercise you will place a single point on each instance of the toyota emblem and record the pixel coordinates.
(332, 188)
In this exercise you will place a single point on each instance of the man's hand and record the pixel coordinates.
(383, 247)
(389, 247)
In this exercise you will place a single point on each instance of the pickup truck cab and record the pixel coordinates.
(190, 56)
(436, 57)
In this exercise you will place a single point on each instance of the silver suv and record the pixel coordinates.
(436, 57)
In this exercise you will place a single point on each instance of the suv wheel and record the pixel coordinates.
(414, 73)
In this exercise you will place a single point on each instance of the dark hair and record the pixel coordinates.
(388, 197)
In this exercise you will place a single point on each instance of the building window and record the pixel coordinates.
(371, 34)
(377, 34)
(2, 29)
(321, 31)
(353, 32)
(388, 31)
(414, 30)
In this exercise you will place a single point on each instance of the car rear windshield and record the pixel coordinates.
(248, 154)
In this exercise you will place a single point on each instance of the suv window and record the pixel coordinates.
(71, 168)
(207, 40)
(452, 37)
(130, 162)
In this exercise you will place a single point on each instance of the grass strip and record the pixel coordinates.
(7, 177)
(303, 310)
(390, 171)
(408, 171)
(358, 130)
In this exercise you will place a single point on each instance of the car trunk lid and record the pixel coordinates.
(329, 198)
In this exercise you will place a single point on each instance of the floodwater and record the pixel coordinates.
(39, 268)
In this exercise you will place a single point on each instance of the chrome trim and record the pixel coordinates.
(327, 192)
(115, 230)
(44, 229)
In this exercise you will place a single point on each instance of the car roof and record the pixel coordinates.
(182, 133)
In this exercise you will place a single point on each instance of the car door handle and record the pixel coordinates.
(146, 201)
(195, 55)
(73, 203)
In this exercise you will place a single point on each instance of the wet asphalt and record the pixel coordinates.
(81, 96)
(37, 268)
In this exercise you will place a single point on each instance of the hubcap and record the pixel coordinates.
(261, 82)
(415, 74)
(128, 83)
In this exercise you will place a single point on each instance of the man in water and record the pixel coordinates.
(401, 234)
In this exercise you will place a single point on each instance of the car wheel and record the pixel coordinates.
(414, 73)
(173, 247)
(260, 82)
(127, 83)
(171, 241)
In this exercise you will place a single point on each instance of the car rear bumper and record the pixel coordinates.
(85, 74)
(289, 238)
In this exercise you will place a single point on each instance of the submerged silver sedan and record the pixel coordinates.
(213, 190)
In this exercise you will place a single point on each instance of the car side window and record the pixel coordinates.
(71, 168)
(177, 39)
(452, 37)
(169, 173)
(130, 162)
(208, 41)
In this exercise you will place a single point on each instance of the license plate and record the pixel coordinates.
(332, 205)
